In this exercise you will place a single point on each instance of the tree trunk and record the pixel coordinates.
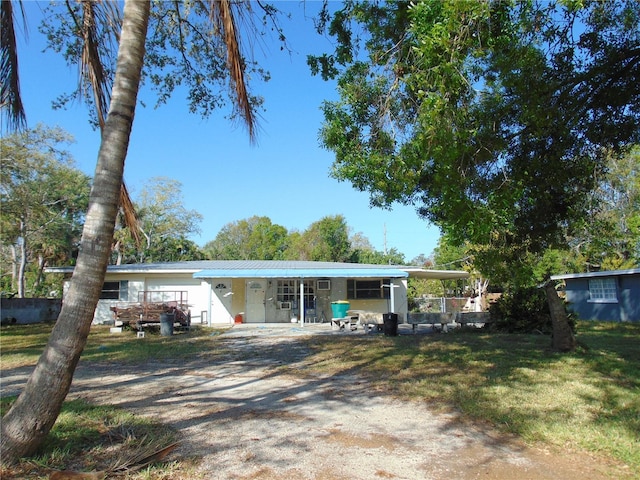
(22, 266)
(40, 274)
(35, 411)
(563, 338)
(14, 267)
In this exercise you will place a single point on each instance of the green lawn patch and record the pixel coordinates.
(89, 438)
(21, 345)
(588, 400)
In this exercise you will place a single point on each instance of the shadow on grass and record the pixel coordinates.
(588, 399)
(88, 437)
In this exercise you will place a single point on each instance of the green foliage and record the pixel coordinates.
(182, 54)
(255, 238)
(494, 118)
(375, 257)
(165, 224)
(44, 198)
(609, 237)
(522, 310)
(326, 240)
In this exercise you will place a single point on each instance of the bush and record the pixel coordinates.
(523, 310)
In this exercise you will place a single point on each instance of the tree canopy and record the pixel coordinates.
(43, 198)
(328, 239)
(255, 238)
(164, 223)
(494, 118)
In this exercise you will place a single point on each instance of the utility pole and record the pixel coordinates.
(384, 246)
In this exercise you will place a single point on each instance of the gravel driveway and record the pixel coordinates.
(248, 419)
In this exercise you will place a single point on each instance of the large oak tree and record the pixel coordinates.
(494, 118)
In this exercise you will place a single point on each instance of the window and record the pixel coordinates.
(286, 291)
(367, 289)
(289, 291)
(115, 291)
(603, 290)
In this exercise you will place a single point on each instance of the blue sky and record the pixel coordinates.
(285, 176)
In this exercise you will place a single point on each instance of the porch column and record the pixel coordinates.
(391, 286)
(301, 302)
(392, 295)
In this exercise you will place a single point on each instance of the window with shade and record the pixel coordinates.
(603, 290)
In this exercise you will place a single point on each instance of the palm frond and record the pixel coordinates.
(147, 451)
(10, 98)
(98, 30)
(130, 216)
(100, 18)
(92, 66)
(222, 17)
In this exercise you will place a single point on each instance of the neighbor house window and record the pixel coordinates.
(603, 290)
(367, 289)
(115, 290)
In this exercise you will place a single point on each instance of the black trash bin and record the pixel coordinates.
(390, 324)
(166, 324)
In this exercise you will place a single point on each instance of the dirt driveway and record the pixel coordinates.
(248, 419)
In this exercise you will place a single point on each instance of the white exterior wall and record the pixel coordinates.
(198, 295)
(218, 306)
(400, 299)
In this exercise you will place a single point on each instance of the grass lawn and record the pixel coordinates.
(587, 400)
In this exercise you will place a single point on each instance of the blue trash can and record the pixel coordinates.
(339, 309)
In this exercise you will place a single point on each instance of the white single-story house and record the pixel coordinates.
(221, 292)
(612, 295)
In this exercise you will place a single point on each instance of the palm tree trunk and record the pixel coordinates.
(33, 414)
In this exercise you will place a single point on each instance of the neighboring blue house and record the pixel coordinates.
(610, 296)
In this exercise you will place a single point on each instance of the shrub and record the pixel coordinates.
(523, 310)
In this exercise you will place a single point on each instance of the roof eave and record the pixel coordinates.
(437, 274)
(605, 273)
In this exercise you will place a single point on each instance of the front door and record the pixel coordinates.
(255, 306)
(221, 301)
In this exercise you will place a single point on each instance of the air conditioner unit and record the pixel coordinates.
(324, 285)
(285, 306)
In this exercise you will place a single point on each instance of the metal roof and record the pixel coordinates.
(277, 268)
(606, 273)
(418, 272)
(374, 272)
